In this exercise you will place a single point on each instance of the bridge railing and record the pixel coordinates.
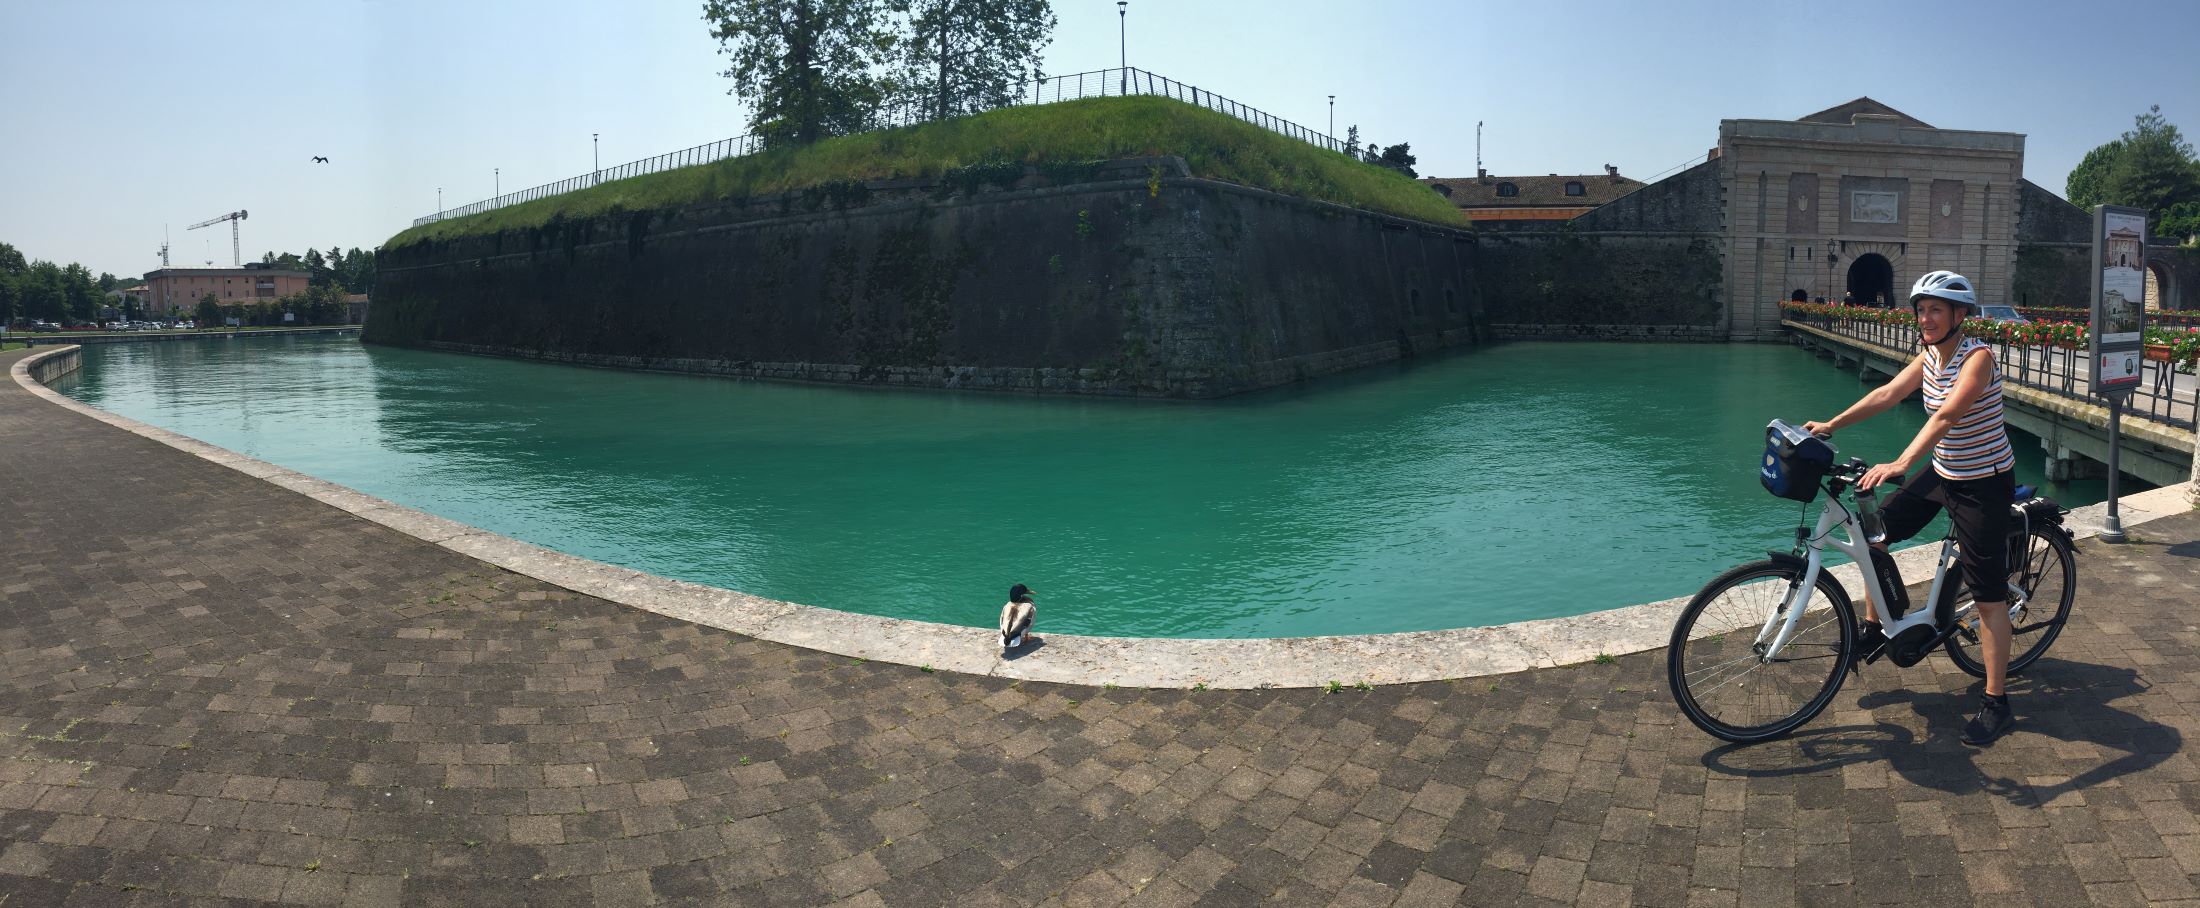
(1097, 83)
(2164, 395)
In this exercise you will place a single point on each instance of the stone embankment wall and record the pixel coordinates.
(55, 365)
(1126, 278)
(1640, 266)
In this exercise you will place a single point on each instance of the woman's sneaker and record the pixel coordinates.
(1993, 720)
(1869, 642)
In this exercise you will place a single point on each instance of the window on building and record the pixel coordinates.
(1507, 189)
(1574, 188)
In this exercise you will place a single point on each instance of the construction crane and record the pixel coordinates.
(236, 247)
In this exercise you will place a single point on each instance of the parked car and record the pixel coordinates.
(2006, 314)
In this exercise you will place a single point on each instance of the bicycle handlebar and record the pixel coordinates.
(1842, 475)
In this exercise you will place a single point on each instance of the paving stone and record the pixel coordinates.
(213, 687)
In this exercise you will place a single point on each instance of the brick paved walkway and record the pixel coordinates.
(210, 687)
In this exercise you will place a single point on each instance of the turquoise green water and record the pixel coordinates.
(1514, 482)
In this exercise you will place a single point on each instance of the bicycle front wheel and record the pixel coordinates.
(1733, 685)
(2043, 581)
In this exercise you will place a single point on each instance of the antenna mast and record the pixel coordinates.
(1478, 146)
(164, 245)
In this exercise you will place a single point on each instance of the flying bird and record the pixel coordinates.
(317, 159)
(1016, 618)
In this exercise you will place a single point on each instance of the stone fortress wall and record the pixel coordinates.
(1646, 265)
(1134, 278)
(1158, 284)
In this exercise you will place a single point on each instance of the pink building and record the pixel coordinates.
(176, 291)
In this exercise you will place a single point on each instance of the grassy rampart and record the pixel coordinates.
(1216, 146)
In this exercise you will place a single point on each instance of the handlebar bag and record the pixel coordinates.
(1794, 463)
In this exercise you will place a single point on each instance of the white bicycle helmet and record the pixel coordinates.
(1947, 285)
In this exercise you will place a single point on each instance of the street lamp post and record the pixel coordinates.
(1332, 116)
(439, 200)
(1122, 46)
(595, 148)
(498, 174)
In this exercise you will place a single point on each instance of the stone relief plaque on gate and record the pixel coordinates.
(1867, 207)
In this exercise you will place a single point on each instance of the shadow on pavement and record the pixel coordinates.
(1032, 644)
(2055, 700)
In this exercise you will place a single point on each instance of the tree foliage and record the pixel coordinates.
(808, 68)
(2087, 185)
(2181, 221)
(2150, 166)
(12, 268)
(955, 57)
(1400, 158)
(2156, 169)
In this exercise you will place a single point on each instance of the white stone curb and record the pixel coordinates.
(1065, 658)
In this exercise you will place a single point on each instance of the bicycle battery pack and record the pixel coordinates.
(1890, 582)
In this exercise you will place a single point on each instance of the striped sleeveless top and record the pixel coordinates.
(1978, 446)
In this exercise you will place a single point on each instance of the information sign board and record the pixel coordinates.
(2119, 299)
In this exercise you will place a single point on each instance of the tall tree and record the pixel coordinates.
(807, 68)
(107, 282)
(359, 271)
(962, 56)
(1400, 158)
(43, 296)
(317, 270)
(12, 268)
(2156, 169)
(2087, 185)
(81, 294)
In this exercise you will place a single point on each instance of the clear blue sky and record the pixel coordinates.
(126, 116)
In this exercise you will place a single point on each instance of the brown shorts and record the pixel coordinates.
(1979, 508)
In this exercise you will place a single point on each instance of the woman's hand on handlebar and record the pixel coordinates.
(1881, 473)
(1820, 429)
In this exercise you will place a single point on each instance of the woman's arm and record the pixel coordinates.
(1895, 391)
(1978, 370)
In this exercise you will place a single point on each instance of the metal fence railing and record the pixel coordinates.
(2164, 395)
(1094, 84)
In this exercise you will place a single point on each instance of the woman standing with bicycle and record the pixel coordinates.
(1972, 472)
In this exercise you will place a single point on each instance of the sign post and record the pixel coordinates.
(2118, 324)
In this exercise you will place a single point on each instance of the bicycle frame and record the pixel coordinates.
(1776, 633)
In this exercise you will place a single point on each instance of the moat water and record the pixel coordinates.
(1518, 481)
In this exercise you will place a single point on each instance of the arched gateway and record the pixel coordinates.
(1871, 280)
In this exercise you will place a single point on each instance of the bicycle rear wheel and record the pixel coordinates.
(2045, 573)
(1720, 676)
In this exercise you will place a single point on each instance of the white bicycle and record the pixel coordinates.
(1766, 646)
